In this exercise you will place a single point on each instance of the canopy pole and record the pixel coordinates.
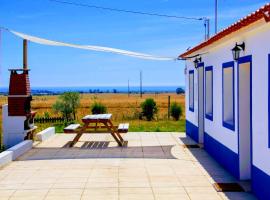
(25, 61)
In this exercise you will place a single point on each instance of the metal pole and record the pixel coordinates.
(128, 88)
(141, 84)
(206, 28)
(25, 62)
(216, 16)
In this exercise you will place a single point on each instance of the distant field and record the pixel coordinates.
(123, 108)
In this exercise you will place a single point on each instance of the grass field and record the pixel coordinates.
(123, 108)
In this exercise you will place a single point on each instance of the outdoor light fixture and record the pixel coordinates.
(236, 50)
(197, 61)
(267, 16)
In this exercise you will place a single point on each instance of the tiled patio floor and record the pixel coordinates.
(153, 166)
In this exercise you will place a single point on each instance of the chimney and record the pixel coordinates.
(25, 64)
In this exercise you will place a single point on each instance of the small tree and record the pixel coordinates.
(176, 111)
(67, 104)
(98, 108)
(149, 108)
(63, 108)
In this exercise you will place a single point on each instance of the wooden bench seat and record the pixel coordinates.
(71, 128)
(123, 128)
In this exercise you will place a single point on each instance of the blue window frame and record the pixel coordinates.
(228, 101)
(209, 93)
(268, 100)
(191, 90)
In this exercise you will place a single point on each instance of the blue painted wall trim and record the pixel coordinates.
(192, 131)
(268, 100)
(260, 183)
(226, 157)
(230, 126)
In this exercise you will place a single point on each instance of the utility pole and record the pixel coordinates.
(128, 88)
(141, 83)
(216, 16)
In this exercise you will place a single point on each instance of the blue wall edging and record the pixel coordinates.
(226, 157)
(192, 131)
(260, 183)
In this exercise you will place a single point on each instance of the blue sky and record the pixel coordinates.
(59, 66)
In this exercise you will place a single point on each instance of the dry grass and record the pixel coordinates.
(122, 107)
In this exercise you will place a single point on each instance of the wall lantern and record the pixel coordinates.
(197, 61)
(237, 49)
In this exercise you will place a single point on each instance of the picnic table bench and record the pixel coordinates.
(94, 121)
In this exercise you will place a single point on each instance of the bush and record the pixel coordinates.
(180, 91)
(98, 108)
(176, 111)
(149, 108)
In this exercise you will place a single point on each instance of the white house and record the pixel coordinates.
(228, 98)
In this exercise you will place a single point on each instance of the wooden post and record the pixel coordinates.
(169, 106)
(25, 63)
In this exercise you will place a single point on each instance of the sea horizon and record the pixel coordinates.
(98, 89)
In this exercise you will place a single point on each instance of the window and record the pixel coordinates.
(191, 90)
(228, 95)
(209, 93)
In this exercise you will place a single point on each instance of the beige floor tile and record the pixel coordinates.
(200, 190)
(204, 196)
(27, 193)
(168, 190)
(101, 191)
(172, 197)
(65, 192)
(69, 185)
(153, 166)
(6, 193)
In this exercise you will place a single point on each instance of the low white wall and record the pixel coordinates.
(5, 158)
(21, 148)
(15, 151)
(45, 134)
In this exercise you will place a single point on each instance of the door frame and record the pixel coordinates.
(242, 60)
(199, 66)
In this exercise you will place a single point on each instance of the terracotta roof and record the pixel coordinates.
(263, 12)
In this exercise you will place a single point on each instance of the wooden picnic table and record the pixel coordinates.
(93, 121)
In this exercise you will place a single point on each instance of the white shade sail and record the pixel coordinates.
(90, 47)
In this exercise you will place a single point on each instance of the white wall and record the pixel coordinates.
(215, 128)
(261, 152)
(257, 42)
(12, 128)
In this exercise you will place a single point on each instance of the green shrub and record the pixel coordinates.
(46, 114)
(176, 111)
(98, 108)
(2, 148)
(149, 108)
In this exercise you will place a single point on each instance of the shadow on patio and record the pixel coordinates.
(99, 149)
